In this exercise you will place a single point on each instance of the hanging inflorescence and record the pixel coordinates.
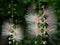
(42, 25)
(12, 11)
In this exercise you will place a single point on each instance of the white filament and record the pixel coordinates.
(51, 21)
(32, 19)
(6, 31)
(18, 33)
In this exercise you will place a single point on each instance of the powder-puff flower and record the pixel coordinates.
(32, 19)
(18, 33)
(51, 21)
(8, 27)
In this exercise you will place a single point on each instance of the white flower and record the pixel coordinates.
(32, 19)
(7, 28)
(18, 34)
(51, 21)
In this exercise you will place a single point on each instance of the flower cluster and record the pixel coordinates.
(17, 32)
(33, 18)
